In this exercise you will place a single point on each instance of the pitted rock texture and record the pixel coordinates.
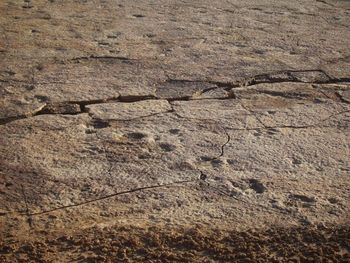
(164, 131)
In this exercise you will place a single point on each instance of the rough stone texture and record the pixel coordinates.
(128, 111)
(189, 131)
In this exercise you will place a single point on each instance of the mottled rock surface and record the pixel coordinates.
(162, 131)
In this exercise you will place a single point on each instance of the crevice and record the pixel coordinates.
(313, 76)
(136, 98)
(339, 80)
(45, 110)
(66, 108)
(79, 107)
(59, 108)
(6, 120)
(298, 76)
(293, 76)
(95, 57)
(111, 196)
(84, 103)
(223, 146)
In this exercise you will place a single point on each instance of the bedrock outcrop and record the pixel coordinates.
(155, 131)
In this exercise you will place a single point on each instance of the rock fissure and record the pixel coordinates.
(67, 108)
(226, 143)
(341, 98)
(96, 57)
(312, 76)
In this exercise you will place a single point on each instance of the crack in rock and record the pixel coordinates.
(60, 108)
(224, 145)
(112, 195)
(178, 89)
(96, 57)
(303, 76)
(185, 90)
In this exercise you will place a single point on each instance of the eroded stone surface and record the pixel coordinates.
(128, 111)
(223, 116)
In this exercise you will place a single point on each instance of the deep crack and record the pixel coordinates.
(95, 57)
(271, 78)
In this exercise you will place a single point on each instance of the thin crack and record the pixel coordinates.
(322, 92)
(173, 111)
(325, 2)
(119, 58)
(254, 115)
(341, 98)
(227, 142)
(112, 195)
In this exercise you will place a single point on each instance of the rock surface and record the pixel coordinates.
(170, 131)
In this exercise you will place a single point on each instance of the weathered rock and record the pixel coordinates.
(128, 111)
(124, 118)
(230, 113)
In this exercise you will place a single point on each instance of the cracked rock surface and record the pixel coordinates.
(164, 131)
